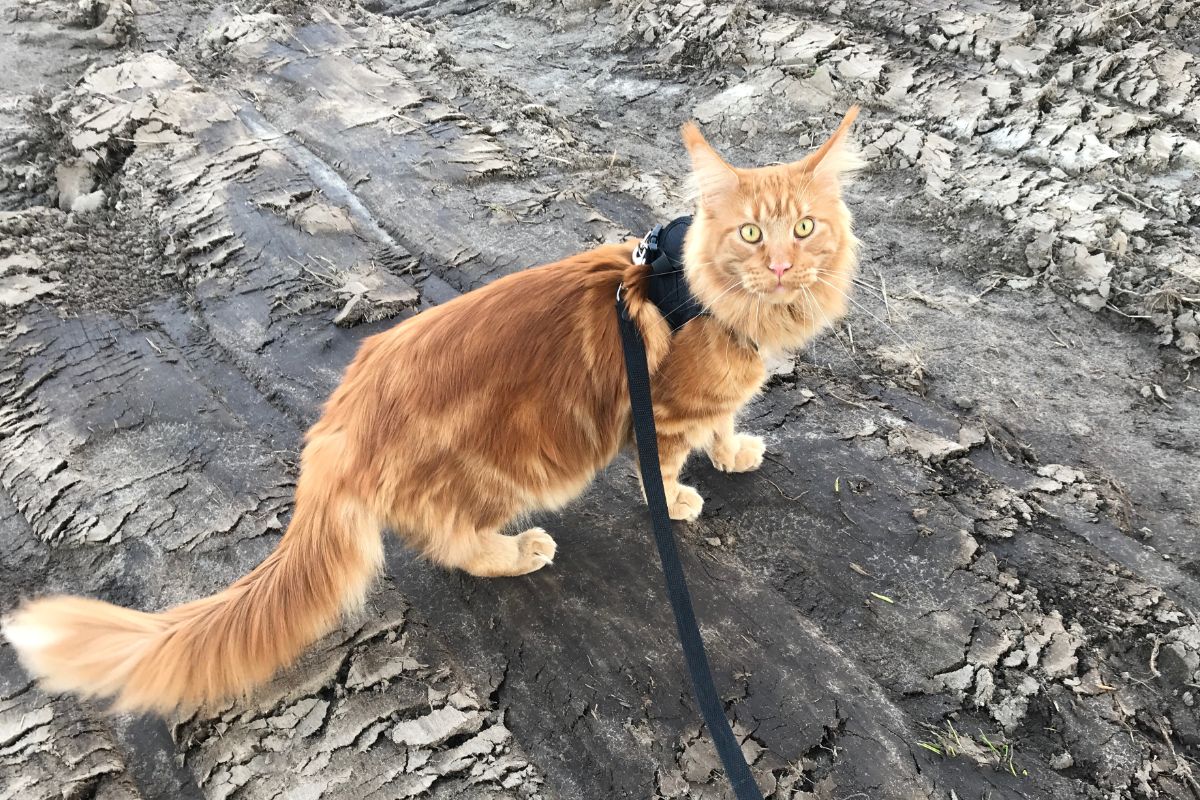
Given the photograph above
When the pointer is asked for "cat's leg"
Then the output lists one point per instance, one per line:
(683, 502)
(731, 451)
(488, 554)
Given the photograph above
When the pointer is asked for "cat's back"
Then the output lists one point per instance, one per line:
(537, 326)
(531, 305)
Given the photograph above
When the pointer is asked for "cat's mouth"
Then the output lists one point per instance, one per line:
(779, 292)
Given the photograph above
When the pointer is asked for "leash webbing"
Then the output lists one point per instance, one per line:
(637, 372)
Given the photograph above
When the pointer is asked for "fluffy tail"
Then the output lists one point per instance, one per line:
(207, 651)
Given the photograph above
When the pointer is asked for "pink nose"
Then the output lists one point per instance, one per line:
(780, 267)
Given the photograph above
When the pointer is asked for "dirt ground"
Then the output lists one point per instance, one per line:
(970, 567)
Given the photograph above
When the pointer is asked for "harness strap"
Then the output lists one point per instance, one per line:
(666, 285)
(637, 372)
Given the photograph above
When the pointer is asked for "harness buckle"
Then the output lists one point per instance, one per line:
(641, 255)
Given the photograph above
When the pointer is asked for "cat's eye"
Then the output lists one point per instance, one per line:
(750, 233)
(804, 227)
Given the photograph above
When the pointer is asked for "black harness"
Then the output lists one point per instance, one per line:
(662, 249)
(667, 288)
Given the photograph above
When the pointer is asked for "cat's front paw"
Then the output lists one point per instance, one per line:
(742, 453)
(686, 504)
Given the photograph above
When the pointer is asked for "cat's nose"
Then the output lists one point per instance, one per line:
(780, 267)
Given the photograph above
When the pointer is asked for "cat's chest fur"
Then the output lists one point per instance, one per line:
(708, 371)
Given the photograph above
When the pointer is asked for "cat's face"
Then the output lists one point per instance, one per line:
(773, 236)
(777, 234)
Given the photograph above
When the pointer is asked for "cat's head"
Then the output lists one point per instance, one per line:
(772, 244)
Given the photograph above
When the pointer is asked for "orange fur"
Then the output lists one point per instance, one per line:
(461, 420)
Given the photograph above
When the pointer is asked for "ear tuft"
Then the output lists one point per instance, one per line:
(692, 137)
(836, 156)
(714, 179)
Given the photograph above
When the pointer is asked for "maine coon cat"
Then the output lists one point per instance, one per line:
(464, 418)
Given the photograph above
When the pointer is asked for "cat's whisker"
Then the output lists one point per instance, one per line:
(736, 283)
(757, 317)
(872, 315)
(859, 282)
(728, 358)
(816, 306)
(912, 350)
(676, 308)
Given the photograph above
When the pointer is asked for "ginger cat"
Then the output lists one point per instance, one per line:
(503, 401)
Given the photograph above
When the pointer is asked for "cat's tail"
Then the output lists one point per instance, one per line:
(203, 652)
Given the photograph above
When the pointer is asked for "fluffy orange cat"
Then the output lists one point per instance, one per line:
(459, 421)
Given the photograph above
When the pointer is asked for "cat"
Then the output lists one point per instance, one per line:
(459, 421)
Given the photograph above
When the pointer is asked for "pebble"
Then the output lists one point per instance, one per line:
(1063, 760)
(92, 201)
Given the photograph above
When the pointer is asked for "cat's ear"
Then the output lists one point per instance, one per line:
(714, 179)
(836, 157)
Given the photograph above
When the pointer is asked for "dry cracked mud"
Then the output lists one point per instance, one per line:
(970, 565)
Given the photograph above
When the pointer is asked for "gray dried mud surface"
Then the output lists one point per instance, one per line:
(970, 566)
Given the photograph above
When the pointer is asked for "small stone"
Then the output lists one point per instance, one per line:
(1048, 485)
(92, 201)
(959, 680)
(1062, 474)
(1059, 659)
(1178, 664)
(1188, 635)
(1010, 711)
(323, 218)
(985, 687)
(1016, 658)
(925, 444)
(970, 435)
(1063, 760)
(778, 365)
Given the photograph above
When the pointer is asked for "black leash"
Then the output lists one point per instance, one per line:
(638, 373)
